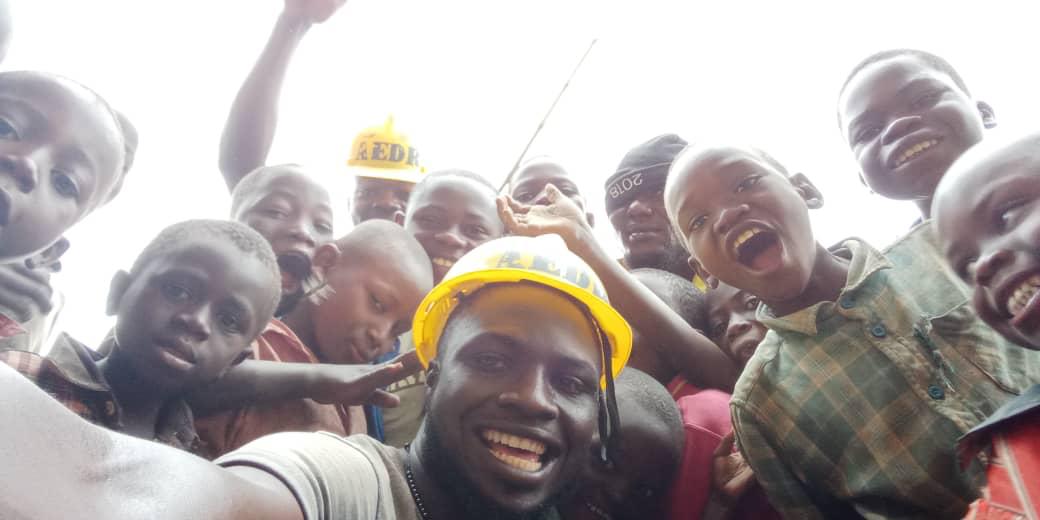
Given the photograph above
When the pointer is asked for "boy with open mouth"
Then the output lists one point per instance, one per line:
(874, 364)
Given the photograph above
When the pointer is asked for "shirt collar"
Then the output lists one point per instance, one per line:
(864, 261)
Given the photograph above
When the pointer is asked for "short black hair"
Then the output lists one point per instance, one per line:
(690, 303)
(928, 58)
(451, 172)
(245, 238)
(256, 177)
(647, 393)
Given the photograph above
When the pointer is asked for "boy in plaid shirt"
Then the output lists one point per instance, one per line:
(874, 364)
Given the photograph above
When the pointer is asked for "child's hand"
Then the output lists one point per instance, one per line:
(731, 474)
(561, 216)
(314, 11)
(24, 293)
(354, 385)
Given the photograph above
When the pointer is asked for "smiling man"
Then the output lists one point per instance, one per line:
(521, 347)
(635, 206)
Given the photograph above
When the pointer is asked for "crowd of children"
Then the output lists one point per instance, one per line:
(465, 353)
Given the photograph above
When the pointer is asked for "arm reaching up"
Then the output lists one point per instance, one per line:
(251, 125)
(696, 357)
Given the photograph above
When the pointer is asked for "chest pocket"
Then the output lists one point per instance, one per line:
(1011, 367)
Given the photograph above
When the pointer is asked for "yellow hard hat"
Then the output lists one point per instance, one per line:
(380, 152)
(543, 260)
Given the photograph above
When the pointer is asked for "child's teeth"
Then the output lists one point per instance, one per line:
(914, 150)
(1022, 294)
(744, 237)
(443, 262)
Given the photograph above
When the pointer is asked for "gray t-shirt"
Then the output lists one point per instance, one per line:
(333, 477)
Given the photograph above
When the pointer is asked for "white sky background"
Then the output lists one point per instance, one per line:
(469, 80)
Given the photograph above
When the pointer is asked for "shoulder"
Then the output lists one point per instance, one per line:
(331, 476)
(760, 368)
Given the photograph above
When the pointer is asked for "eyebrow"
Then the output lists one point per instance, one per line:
(995, 189)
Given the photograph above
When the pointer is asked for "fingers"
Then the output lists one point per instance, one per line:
(725, 445)
(409, 361)
(24, 292)
(383, 399)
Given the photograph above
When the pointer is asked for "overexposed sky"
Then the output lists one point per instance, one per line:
(469, 80)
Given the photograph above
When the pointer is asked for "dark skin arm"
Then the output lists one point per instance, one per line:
(695, 356)
(250, 127)
(91, 472)
(254, 381)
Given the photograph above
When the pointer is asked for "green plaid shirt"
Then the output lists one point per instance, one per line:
(853, 408)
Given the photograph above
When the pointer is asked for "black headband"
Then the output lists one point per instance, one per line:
(625, 186)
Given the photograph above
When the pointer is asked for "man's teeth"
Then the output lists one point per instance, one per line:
(443, 262)
(744, 236)
(1022, 294)
(536, 448)
(909, 153)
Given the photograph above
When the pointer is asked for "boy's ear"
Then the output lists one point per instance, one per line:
(989, 117)
(326, 257)
(116, 290)
(702, 273)
(812, 196)
(399, 218)
(49, 258)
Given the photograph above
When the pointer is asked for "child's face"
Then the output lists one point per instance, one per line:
(295, 216)
(372, 302)
(906, 122)
(988, 221)
(60, 155)
(450, 217)
(744, 223)
(529, 184)
(189, 314)
(636, 487)
(732, 324)
(379, 198)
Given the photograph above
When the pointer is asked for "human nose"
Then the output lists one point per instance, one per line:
(23, 169)
(728, 217)
(900, 127)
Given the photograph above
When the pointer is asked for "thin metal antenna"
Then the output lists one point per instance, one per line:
(541, 124)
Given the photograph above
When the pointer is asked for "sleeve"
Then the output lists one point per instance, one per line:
(787, 493)
(331, 477)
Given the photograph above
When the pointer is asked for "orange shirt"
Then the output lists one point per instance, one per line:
(230, 429)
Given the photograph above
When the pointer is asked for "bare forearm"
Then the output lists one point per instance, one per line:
(56, 465)
(254, 381)
(251, 125)
(695, 356)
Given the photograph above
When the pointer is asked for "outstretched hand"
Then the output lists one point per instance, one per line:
(561, 216)
(731, 474)
(314, 11)
(354, 385)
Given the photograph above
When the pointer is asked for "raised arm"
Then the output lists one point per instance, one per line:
(695, 356)
(56, 465)
(251, 125)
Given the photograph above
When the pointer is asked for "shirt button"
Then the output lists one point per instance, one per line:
(936, 392)
(878, 331)
(847, 302)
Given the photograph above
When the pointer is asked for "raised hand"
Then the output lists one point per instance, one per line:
(314, 11)
(560, 216)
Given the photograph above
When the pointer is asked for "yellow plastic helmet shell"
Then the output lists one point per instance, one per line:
(543, 260)
(381, 152)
